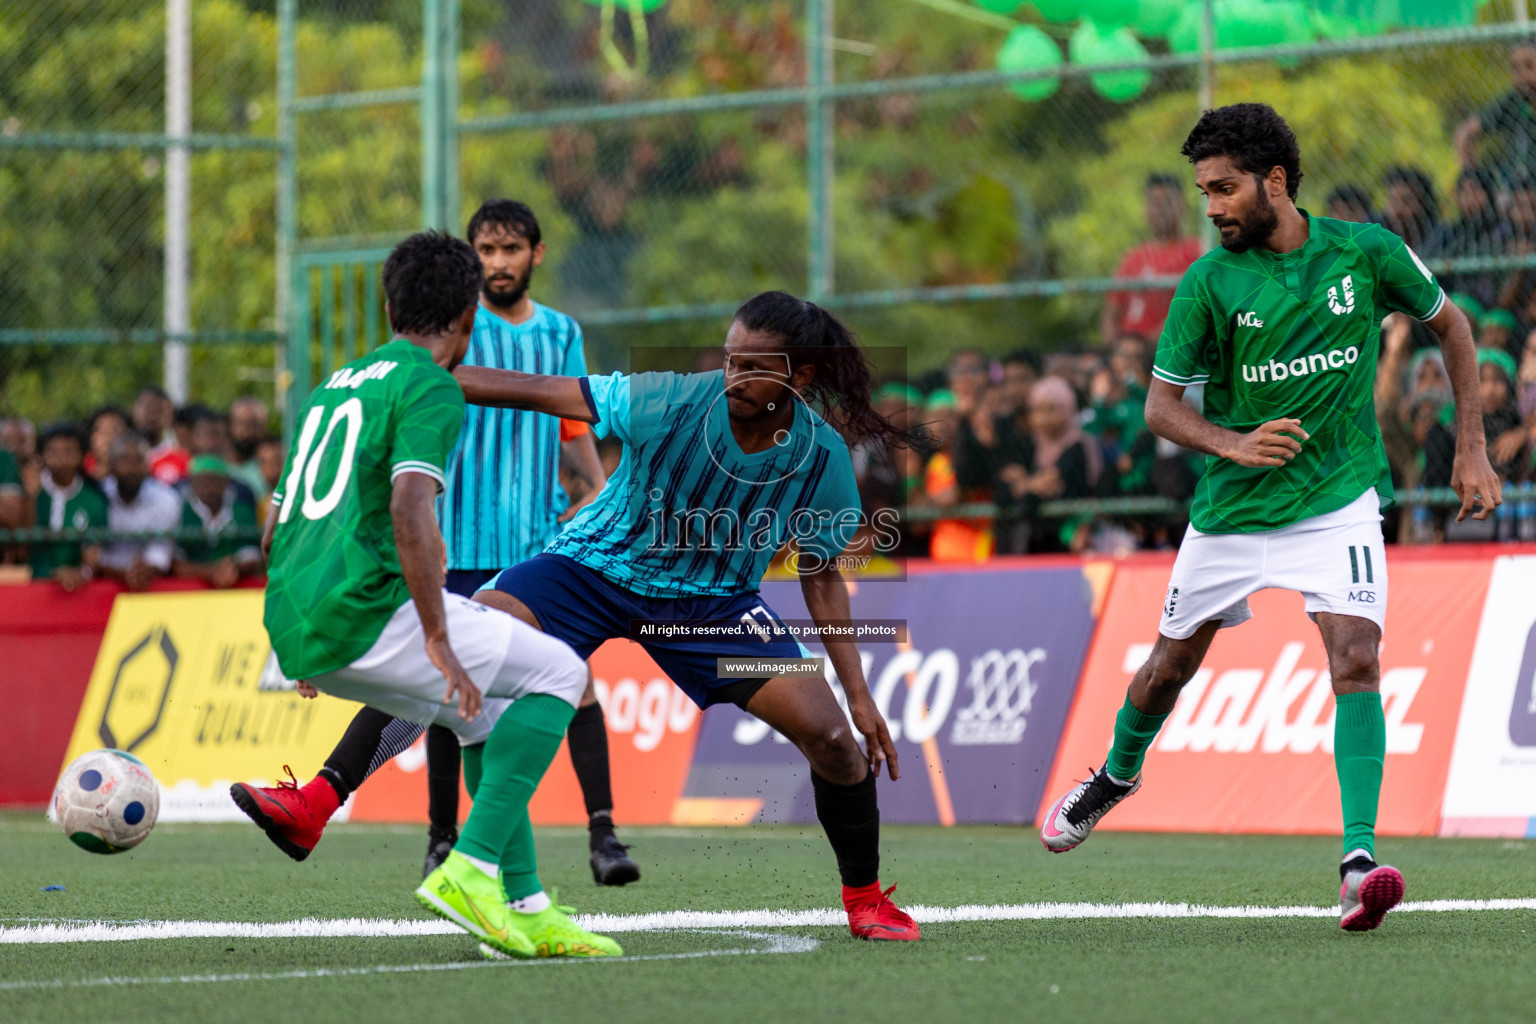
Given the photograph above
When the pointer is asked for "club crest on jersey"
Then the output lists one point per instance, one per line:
(1347, 304)
(1249, 319)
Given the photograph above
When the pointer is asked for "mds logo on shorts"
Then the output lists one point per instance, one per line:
(1360, 558)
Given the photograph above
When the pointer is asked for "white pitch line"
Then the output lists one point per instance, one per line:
(772, 943)
(675, 920)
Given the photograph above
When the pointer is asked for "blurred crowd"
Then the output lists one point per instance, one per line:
(202, 474)
(1023, 430)
(1017, 434)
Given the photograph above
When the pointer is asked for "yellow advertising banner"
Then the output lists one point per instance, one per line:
(186, 683)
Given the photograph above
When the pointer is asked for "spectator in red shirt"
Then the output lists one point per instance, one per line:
(1170, 253)
(152, 414)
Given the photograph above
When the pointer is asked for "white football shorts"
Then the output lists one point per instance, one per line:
(1337, 561)
(503, 656)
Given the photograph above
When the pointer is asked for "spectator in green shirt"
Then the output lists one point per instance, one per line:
(11, 496)
(214, 506)
(66, 500)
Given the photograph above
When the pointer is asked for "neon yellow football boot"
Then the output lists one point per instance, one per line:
(460, 892)
(551, 932)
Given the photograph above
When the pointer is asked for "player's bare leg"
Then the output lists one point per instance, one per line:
(805, 712)
(587, 741)
(1148, 702)
(1367, 891)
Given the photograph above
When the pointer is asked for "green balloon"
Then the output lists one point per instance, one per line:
(646, 6)
(1246, 23)
(1241, 23)
(1109, 13)
(1156, 18)
(997, 6)
(1329, 26)
(1093, 45)
(1059, 10)
(1291, 18)
(1029, 49)
(1184, 36)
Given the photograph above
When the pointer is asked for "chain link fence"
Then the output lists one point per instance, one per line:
(86, 174)
(959, 206)
(947, 174)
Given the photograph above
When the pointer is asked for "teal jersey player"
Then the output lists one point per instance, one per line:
(1281, 325)
(1294, 334)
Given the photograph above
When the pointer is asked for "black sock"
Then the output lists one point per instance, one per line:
(587, 736)
(372, 738)
(850, 816)
(443, 779)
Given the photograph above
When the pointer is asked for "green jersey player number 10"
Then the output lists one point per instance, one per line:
(307, 458)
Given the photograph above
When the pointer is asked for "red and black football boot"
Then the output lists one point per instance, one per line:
(872, 915)
(292, 816)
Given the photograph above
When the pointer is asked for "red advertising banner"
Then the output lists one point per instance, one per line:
(49, 639)
(1249, 747)
(652, 726)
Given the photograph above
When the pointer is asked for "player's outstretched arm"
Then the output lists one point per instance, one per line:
(826, 597)
(508, 389)
(1272, 444)
(1472, 477)
(413, 513)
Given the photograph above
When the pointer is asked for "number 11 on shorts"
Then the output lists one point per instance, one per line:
(1354, 564)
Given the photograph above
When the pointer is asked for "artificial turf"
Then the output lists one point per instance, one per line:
(1473, 965)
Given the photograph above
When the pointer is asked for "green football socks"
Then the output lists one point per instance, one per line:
(474, 764)
(1359, 748)
(511, 763)
(1134, 733)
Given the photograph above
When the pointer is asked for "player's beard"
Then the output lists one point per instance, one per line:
(505, 296)
(1254, 231)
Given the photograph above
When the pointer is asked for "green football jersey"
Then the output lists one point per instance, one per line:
(1293, 335)
(80, 507)
(335, 573)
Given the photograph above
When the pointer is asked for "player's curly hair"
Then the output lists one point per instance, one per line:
(843, 383)
(1253, 135)
(430, 279)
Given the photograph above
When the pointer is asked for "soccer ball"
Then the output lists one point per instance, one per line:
(106, 801)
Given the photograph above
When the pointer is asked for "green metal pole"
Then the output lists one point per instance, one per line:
(819, 124)
(431, 114)
(293, 358)
(450, 136)
(1209, 237)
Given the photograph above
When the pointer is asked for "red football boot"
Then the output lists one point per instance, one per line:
(872, 915)
(292, 816)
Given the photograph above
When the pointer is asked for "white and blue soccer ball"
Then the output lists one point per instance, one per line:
(106, 801)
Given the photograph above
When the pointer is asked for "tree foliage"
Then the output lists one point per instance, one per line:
(973, 187)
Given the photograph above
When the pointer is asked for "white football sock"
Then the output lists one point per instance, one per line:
(484, 865)
(1358, 852)
(531, 904)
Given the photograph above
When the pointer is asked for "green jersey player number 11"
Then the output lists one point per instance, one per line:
(1280, 325)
